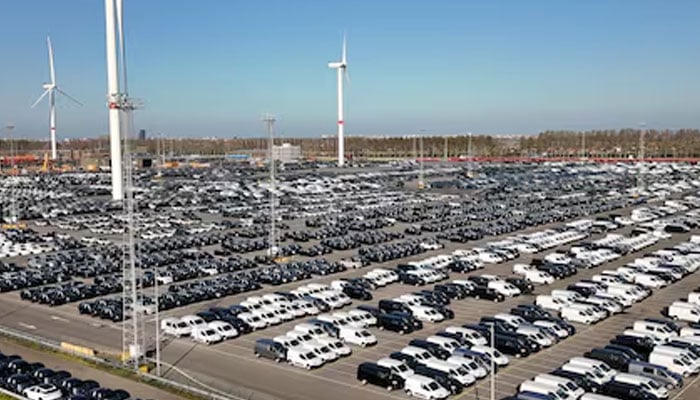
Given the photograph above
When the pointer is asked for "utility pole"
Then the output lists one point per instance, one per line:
(470, 157)
(421, 175)
(269, 120)
(583, 145)
(493, 366)
(445, 155)
(640, 161)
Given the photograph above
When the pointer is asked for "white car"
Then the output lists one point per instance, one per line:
(358, 336)
(226, 330)
(206, 335)
(42, 392)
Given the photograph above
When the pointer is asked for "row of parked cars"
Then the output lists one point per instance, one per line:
(445, 363)
(644, 362)
(33, 381)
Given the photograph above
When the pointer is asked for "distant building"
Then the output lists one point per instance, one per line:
(286, 153)
(142, 134)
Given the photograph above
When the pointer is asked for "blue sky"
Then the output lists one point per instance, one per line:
(211, 67)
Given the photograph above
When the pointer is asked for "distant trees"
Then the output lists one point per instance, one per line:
(596, 143)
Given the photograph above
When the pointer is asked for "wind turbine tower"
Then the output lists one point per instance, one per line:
(50, 89)
(342, 68)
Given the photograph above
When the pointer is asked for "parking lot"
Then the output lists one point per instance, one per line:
(231, 365)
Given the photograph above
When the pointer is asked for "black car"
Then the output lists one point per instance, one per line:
(434, 349)
(525, 286)
(368, 372)
(627, 350)
(614, 358)
(417, 324)
(581, 380)
(357, 292)
(375, 311)
(442, 378)
(405, 358)
(510, 345)
(482, 292)
(450, 290)
(625, 391)
(641, 345)
(394, 306)
(395, 323)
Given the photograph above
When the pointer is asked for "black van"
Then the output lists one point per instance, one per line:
(641, 345)
(614, 358)
(368, 372)
(395, 323)
(482, 292)
(625, 391)
(391, 306)
(268, 348)
(434, 349)
(357, 292)
(415, 322)
(581, 380)
(511, 345)
(442, 378)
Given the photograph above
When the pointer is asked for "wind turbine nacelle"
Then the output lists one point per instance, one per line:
(47, 86)
(336, 65)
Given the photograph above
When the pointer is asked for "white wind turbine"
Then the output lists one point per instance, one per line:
(50, 89)
(342, 67)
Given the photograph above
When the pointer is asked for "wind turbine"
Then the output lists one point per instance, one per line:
(50, 89)
(342, 68)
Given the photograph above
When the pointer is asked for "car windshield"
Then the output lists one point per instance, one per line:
(365, 334)
(654, 384)
(433, 386)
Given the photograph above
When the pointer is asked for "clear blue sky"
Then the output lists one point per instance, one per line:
(211, 67)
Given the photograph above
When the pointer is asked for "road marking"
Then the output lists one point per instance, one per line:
(57, 318)
(28, 326)
(687, 386)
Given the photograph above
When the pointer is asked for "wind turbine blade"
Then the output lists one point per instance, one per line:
(51, 69)
(343, 58)
(41, 97)
(69, 97)
(122, 45)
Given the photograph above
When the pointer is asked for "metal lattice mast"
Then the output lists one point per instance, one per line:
(269, 120)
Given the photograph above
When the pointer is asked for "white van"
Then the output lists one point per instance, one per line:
(357, 336)
(369, 319)
(643, 382)
(206, 335)
(419, 354)
(226, 330)
(535, 334)
(396, 366)
(194, 321)
(649, 281)
(604, 368)
(679, 365)
(542, 388)
(538, 277)
(446, 343)
(471, 366)
(505, 288)
(565, 384)
(684, 311)
(424, 313)
(472, 336)
(310, 329)
(511, 320)
(336, 346)
(579, 315)
(569, 295)
(550, 303)
(498, 358)
(424, 387)
(456, 371)
(253, 320)
(661, 331)
(596, 376)
(175, 327)
(321, 350)
(303, 357)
